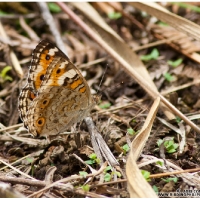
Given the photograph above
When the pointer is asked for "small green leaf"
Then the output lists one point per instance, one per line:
(175, 63)
(126, 148)
(90, 162)
(146, 174)
(172, 150)
(146, 57)
(178, 119)
(5, 70)
(152, 56)
(86, 187)
(107, 177)
(108, 168)
(131, 131)
(170, 146)
(175, 179)
(105, 105)
(114, 15)
(168, 76)
(93, 156)
(8, 78)
(83, 174)
(118, 174)
(30, 160)
(159, 163)
(53, 7)
(159, 142)
(162, 24)
(3, 74)
(97, 160)
(168, 143)
(155, 188)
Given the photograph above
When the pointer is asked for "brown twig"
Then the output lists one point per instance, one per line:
(89, 194)
(47, 16)
(71, 178)
(99, 145)
(17, 170)
(130, 17)
(173, 173)
(27, 28)
(23, 181)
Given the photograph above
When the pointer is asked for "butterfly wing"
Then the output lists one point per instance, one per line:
(62, 95)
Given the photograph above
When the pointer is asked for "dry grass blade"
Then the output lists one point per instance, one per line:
(6, 191)
(122, 53)
(114, 41)
(174, 20)
(52, 26)
(16, 170)
(137, 185)
(13, 57)
(142, 137)
(116, 47)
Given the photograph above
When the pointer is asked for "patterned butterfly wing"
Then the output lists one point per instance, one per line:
(62, 95)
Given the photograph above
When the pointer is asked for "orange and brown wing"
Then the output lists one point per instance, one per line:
(56, 95)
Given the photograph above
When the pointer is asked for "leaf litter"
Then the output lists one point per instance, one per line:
(58, 164)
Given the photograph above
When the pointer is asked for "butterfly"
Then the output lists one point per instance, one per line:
(56, 94)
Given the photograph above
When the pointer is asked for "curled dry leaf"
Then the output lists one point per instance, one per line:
(137, 185)
(181, 42)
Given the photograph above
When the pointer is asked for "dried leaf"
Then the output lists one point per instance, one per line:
(137, 185)
(179, 23)
(120, 51)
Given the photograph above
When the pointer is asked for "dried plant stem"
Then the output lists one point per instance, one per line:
(173, 173)
(22, 181)
(47, 16)
(131, 71)
(13, 57)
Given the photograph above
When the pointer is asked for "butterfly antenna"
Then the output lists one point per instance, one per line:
(102, 78)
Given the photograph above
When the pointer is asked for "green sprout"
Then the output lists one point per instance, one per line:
(105, 105)
(114, 15)
(131, 131)
(53, 7)
(175, 63)
(83, 174)
(168, 77)
(146, 174)
(126, 148)
(3, 74)
(170, 146)
(175, 179)
(93, 159)
(152, 56)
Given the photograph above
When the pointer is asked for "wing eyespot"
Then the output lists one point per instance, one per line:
(58, 71)
(40, 121)
(47, 57)
(42, 77)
